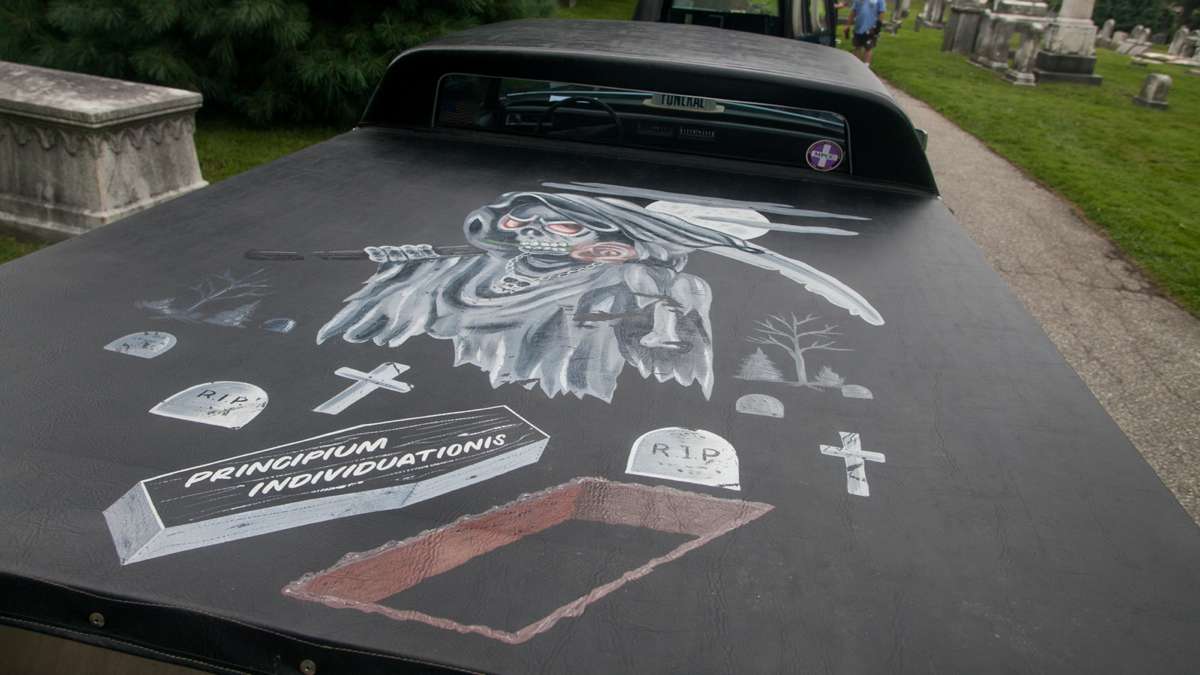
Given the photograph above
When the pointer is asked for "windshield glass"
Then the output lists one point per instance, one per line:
(634, 118)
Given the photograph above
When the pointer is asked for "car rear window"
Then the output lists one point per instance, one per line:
(802, 137)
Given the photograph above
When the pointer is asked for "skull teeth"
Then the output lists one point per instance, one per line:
(541, 247)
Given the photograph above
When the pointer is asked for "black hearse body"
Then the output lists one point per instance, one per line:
(596, 347)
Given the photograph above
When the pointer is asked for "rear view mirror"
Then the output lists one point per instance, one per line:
(922, 138)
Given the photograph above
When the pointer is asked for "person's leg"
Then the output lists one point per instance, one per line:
(868, 45)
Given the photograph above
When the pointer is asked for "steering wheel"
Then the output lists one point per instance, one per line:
(548, 114)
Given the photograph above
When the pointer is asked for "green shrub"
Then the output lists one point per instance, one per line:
(264, 60)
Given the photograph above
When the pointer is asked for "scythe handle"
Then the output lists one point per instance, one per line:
(451, 251)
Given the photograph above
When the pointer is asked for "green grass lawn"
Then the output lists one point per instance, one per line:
(1134, 172)
(227, 148)
(17, 246)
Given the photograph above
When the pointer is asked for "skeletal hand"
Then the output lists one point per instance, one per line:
(399, 254)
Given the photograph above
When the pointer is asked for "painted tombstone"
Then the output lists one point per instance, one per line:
(759, 404)
(279, 325)
(144, 345)
(223, 404)
(856, 391)
(569, 289)
(687, 455)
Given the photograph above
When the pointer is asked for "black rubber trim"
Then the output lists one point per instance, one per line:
(184, 637)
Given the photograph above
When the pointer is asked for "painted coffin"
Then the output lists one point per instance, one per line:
(544, 405)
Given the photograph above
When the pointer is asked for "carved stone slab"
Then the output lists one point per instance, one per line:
(78, 151)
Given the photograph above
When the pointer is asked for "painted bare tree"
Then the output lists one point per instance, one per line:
(223, 289)
(225, 286)
(791, 334)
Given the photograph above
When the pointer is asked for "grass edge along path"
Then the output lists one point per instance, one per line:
(1132, 171)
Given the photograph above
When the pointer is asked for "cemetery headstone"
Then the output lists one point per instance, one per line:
(1021, 7)
(1068, 52)
(1021, 72)
(1154, 91)
(991, 46)
(932, 15)
(1191, 48)
(962, 27)
(1105, 37)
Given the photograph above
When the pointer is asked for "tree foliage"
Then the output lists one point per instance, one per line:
(265, 60)
(1153, 14)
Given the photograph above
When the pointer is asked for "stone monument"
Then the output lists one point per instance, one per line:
(78, 152)
(1068, 52)
(931, 16)
(1154, 91)
(991, 45)
(1137, 43)
(993, 37)
(1105, 37)
(1179, 42)
(1021, 72)
(962, 26)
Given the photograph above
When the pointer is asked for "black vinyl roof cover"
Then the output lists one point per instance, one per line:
(605, 461)
(671, 58)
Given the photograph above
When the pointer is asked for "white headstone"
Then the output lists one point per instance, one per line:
(145, 345)
(222, 404)
(687, 455)
(759, 404)
(856, 391)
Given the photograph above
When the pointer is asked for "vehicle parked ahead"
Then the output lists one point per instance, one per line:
(595, 347)
(807, 20)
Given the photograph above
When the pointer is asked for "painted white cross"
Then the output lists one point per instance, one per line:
(856, 458)
(383, 377)
(826, 155)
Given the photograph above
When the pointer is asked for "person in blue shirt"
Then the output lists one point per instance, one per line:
(866, 17)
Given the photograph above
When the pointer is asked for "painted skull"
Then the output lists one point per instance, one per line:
(530, 224)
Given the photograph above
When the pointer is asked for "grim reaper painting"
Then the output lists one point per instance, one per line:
(565, 291)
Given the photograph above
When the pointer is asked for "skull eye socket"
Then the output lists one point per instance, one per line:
(565, 227)
(509, 222)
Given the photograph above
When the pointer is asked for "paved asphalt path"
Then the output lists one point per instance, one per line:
(1137, 351)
